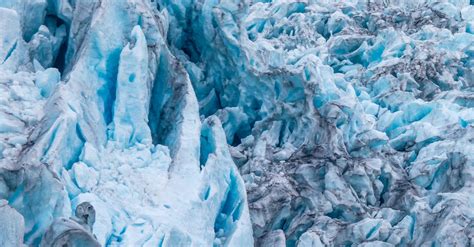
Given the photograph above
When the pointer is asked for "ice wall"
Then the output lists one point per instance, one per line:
(106, 116)
(236, 123)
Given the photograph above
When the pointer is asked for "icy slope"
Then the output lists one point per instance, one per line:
(150, 123)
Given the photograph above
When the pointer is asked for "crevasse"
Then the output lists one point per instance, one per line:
(236, 123)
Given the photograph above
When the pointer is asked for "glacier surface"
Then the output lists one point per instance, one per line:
(236, 123)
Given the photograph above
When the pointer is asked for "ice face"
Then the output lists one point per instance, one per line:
(13, 225)
(236, 123)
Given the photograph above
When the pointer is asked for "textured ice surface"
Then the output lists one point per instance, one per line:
(236, 123)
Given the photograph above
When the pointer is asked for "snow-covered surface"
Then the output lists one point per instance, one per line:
(236, 123)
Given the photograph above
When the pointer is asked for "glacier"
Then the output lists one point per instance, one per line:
(236, 123)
